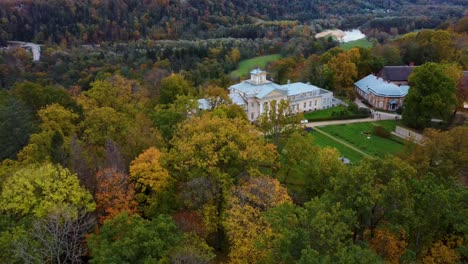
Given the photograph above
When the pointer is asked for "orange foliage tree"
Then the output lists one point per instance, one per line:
(115, 194)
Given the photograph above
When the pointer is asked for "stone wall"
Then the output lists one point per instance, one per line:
(408, 134)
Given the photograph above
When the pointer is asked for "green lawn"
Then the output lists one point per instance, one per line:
(246, 66)
(363, 43)
(323, 113)
(324, 141)
(360, 136)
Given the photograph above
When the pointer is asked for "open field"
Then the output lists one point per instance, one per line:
(246, 66)
(323, 113)
(360, 136)
(363, 43)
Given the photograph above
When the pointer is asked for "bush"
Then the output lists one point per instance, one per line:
(352, 107)
(363, 110)
(381, 132)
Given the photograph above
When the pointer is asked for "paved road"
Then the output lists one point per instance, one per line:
(383, 116)
(35, 48)
(339, 122)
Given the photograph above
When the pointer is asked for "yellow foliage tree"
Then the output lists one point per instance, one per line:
(443, 251)
(388, 245)
(243, 220)
(147, 173)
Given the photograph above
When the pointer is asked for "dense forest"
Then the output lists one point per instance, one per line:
(91, 22)
(106, 158)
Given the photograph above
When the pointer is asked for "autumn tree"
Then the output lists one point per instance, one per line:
(281, 69)
(45, 215)
(172, 86)
(32, 190)
(208, 156)
(277, 122)
(344, 73)
(444, 250)
(235, 55)
(231, 111)
(114, 194)
(152, 180)
(388, 245)
(216, 96)
(115, 110)
(443, 153)
(432, 95)
(246, 204)
(58, 125)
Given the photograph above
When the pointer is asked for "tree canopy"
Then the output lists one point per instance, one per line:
(432, 96)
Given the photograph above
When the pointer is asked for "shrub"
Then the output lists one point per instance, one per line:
(338, 117)
(381, 132)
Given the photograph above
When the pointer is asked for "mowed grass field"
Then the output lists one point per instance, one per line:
(363, 43)
(324, 141)
(360, 136)
(246, 66)
(324, 113)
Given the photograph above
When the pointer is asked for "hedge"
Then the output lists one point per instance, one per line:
(344, 117)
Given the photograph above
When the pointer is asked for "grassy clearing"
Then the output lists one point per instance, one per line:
(363, 43)
(323, 113)
(360, 136)
(246, 66)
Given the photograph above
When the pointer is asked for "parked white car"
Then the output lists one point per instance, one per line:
(304, 121)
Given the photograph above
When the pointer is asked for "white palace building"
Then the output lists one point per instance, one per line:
(255, 94)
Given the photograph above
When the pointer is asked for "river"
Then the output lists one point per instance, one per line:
(352, 35)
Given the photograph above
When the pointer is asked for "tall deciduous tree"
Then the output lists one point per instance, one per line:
(172, 86)
(443, 153)
(216, 96)
(344, 72)
(246, 204)
(132, 239)
(208, 156)
(277, 123)
(432, 95)
(152, 180)
(58, 238)
(38, 190)
(114, 195)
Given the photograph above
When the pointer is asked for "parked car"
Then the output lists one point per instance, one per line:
(304, 121)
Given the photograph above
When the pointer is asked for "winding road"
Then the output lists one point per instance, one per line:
(35, 48)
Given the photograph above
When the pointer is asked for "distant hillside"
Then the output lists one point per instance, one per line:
(93, 21)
